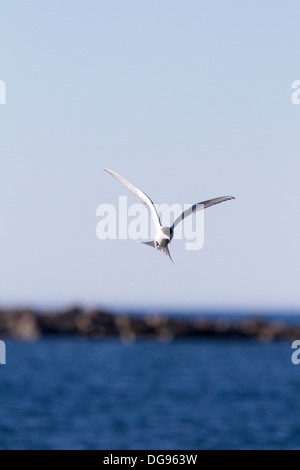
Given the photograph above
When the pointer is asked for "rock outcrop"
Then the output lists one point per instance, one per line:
(30, 325)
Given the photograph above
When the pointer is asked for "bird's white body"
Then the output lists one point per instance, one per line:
(162, 239)
(164, 235)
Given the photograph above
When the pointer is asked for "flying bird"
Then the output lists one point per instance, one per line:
(164, 235)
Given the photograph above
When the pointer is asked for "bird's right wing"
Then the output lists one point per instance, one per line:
(140, 195)
(199, 206)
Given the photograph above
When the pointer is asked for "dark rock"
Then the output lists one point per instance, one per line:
(21, 324)
(59, 323)
(26, 324)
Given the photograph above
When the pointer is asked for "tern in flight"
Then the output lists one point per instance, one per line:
(164, 235)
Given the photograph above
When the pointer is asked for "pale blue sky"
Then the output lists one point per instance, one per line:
(189, 100)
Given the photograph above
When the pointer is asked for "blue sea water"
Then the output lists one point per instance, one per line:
(188, 394)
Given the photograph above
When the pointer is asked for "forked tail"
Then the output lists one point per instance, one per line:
(164, 249)
(151, 243)
(167, 252)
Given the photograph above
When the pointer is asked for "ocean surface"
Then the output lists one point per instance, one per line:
(187, 394)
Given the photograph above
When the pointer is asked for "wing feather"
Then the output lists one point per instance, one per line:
(200, 206)
(140, 195)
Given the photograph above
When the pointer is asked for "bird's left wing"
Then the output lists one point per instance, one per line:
(199, 206)
(140, 195)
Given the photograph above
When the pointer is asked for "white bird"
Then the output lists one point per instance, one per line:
(164, 235)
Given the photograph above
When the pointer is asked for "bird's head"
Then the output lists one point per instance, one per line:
(168, 233)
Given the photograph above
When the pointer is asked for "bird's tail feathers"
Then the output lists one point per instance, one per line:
(166, 251)
(151, 243)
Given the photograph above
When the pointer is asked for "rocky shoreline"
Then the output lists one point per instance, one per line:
(31, 325)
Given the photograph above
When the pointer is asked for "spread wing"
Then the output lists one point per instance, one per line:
(200, 206)
(140, 195)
